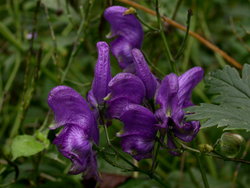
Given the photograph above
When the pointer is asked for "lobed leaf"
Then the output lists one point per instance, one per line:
(232, 108)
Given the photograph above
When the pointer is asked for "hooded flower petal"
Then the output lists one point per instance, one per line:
(144, 73)
(74, 145)
(187, 82)
(102, 74)
(128, 32)
(129, 86)
(139, 131)
(71, 109)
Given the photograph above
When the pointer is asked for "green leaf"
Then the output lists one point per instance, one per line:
(25, 145)
(232, 103)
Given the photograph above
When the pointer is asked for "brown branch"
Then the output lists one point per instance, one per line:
(204, 41)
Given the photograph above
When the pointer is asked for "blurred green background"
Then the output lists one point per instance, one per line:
(46, 43)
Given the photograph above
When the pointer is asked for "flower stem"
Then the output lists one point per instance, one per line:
(163, 37)
(183, 45)
(202, 170)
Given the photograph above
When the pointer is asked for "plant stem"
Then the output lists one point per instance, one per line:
(163, 37)
(210, 161)
(183, 45)
(202, 170)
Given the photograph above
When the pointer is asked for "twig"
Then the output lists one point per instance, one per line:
(204, 41)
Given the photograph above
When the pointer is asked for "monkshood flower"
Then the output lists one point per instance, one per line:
(128, 32)
(79, 131)
(173, 95)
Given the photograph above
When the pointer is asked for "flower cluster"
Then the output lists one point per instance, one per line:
(142, 102)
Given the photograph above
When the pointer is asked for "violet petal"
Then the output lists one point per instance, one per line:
(166, 94)
(144, 73)
(137, 118)
(102, 73)
(71, 109)
(187, 82)
(116, 106)
(73, 144)
(129, 86)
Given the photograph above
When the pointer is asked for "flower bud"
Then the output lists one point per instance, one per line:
(230, 144)
(206, 148)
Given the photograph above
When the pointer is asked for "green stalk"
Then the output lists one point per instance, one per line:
(202, 170)
(183, 45)
(163, 37)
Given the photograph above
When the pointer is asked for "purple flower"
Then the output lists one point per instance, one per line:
(79, 130)
(128, 32)
(102, 76)
(173, 95)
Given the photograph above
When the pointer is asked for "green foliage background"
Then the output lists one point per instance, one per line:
(66, 32)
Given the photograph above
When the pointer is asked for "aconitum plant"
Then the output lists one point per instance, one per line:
(146, 105)
(104, 96)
